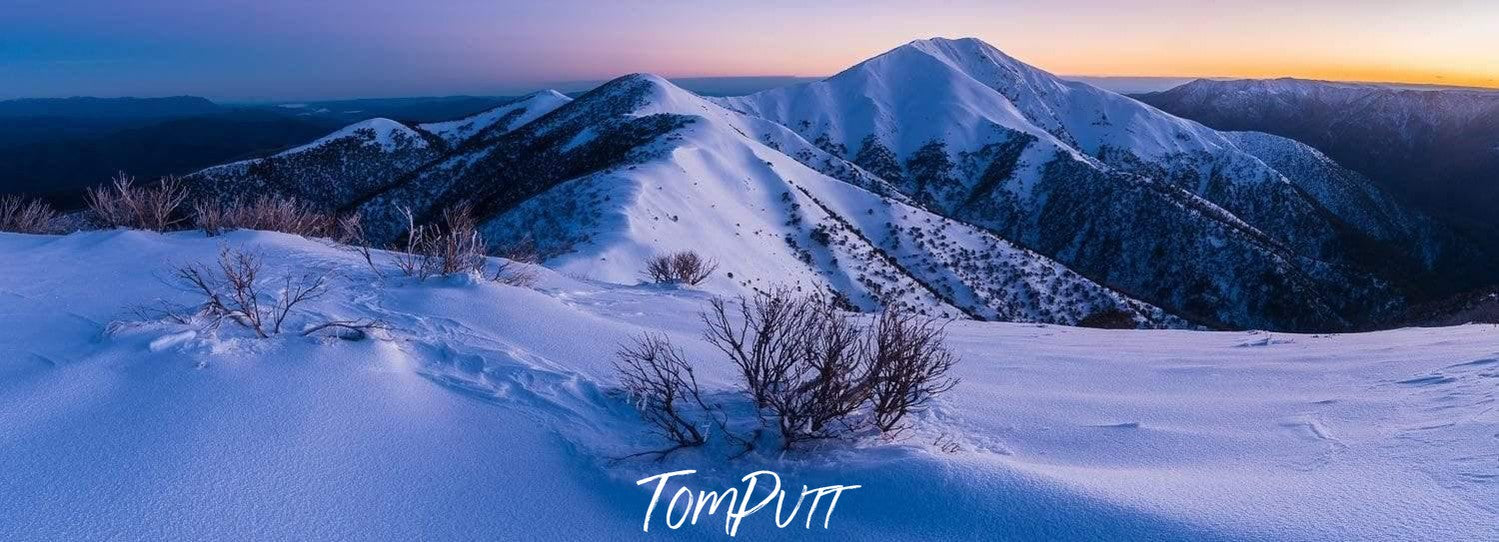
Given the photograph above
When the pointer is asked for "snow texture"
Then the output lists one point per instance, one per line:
(485, 414)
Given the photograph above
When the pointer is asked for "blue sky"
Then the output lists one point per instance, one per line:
(280, 49)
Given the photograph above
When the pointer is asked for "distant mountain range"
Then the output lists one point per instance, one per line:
(56, 147)
(942, 174)
(1436, 149)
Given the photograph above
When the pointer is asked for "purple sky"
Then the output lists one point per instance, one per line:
(282, 49)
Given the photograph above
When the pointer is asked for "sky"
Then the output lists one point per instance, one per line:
(299, 49)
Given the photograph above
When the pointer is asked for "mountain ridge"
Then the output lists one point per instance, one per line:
(1032, 174)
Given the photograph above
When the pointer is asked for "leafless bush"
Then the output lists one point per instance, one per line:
(685, 267)
(763, 340)
(658, 269)
(268, 212)
(351, 234)
(799, 358)
(514, 274)
(517, 271)
(811, 367)
(661, 384)
(123, 204)
(908, 367)
(829, 382)
(452, 246)
(947, 444)
(21, 215)
(232, 288)
(691, 268)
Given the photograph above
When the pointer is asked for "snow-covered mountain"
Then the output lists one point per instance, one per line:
(942, 174)
(640, 167)
(331, 171)
(1438, 149)
(360, 159)
(1115, 188)
(506, 117)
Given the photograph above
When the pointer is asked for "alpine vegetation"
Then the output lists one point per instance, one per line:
(812, 369)
(233, 289)
(685, 267)
(265, 212)
(123, 204)
(660, 383)
(450, 246)
(20, 215)
(999, 304)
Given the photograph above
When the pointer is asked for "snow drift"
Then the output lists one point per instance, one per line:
(486, 413)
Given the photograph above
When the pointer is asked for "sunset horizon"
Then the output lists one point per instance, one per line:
(946, 270)
(343, 49)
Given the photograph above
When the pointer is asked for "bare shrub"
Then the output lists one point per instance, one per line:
(122, 204)
(691, 268)
(452, 246)
(232, 288)
(516, 271)
(821, 375)
(513, 273)
(661, 384)
(353, 330)
(21, 215)
(685, 267)
(764, 338)
(908, 367)
(947, 444)
(268, 212)
(351, 234)
(799, 358)
(658, 269)
(818, 397)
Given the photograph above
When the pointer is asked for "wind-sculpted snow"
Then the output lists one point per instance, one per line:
(489, 412)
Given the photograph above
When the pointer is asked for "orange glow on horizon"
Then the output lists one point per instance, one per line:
(1443, 42)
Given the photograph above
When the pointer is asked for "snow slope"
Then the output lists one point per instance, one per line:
(331, 171)
(681, 173)
(484, 414)
(1054, 190)
(1434, 148)
(363, 158)
(979, 136)
(507, 117)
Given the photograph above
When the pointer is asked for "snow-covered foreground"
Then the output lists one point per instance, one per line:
(484, 415)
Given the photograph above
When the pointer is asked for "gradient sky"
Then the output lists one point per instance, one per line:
(305, 49)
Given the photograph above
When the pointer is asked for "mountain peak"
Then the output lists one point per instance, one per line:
(963, 52)
(547, 93)
(643, 94)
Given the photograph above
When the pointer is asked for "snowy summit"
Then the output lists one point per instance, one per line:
(940, 295)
